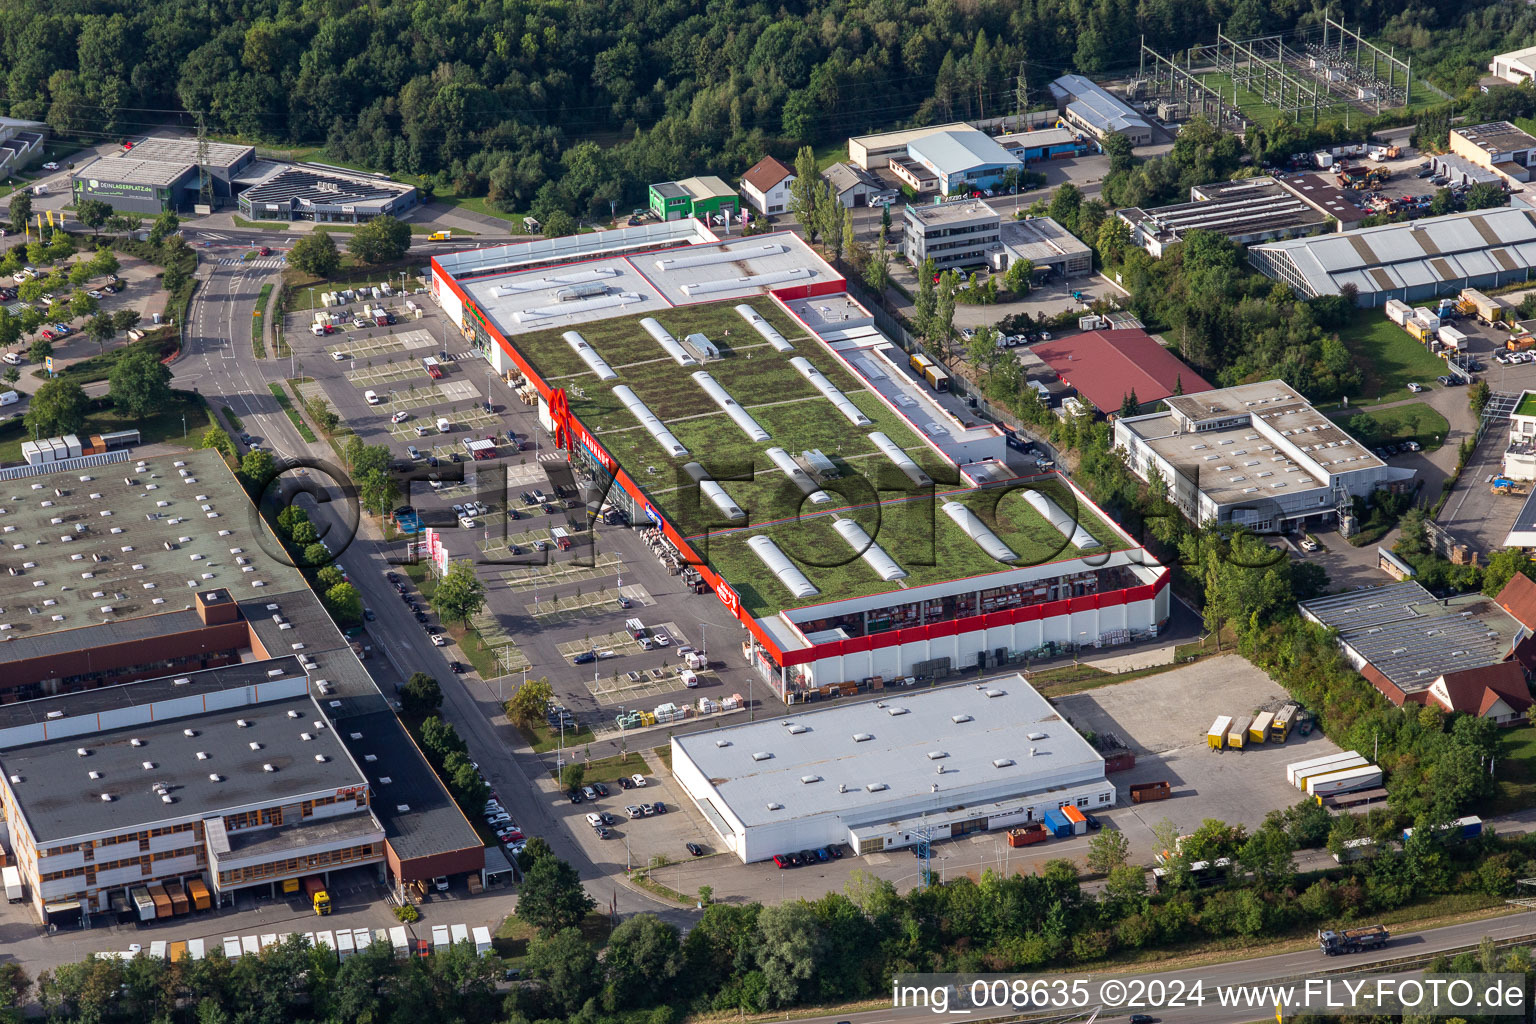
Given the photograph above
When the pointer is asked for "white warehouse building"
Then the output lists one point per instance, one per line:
(880, 774)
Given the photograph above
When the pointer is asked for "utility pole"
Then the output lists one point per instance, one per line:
(205, 188)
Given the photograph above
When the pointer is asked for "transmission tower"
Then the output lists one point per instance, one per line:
(205, 188)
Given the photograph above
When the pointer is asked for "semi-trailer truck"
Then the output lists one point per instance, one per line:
(314, 888)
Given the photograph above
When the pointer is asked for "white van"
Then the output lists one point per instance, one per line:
(9, 398)
(12, 358)
(443, 426)
(371, 397)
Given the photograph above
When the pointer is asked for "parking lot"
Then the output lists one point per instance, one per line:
(1162, 717)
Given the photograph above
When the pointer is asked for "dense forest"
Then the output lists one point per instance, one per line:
(575, 103)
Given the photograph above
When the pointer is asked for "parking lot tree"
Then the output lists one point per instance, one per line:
(421, 695)
(79, 273)
(345, 603)
(100, 330)
(552, 897)
(93, 213)
(1107, 850)
(377, 491)
(104, 264)
(641, 962)
(381, 240)
(459, 594)
(140, 384)
(1016, 277)
(567, 965)
(10, 328)
(164, 227)
(440, 739)
(258, 467)
(126, 319)
(11, 375)
(20, 209)
(573, 775)
(58, 407)
(1485, 195)
(529, 703)
(40, 350)
(315, 254)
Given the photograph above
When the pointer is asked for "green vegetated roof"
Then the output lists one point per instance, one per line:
(905, 520)
(1527, 406)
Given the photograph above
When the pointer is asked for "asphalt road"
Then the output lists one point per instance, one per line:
(224, 369)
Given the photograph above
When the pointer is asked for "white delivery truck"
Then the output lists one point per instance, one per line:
(13, 893)
(443, 426)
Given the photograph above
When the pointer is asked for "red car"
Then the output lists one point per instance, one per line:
(49, 335)
(264, 251)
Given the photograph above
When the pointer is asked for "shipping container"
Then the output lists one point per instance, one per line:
(1318, 771)
(13, 890)
(1057, 822)
(198, 892)
(1398, 311)
(362, 938)
(1028, 835)
(1258, 732)
(460, 933)
(345, 947)
(1146, 792)
(1216, 736)
(1294, 766)
(231, 948)
(398, 940)
(1450, 337)
(196, 949)
(178, 951)
(178, 895)
(1465, 828)
(1237, 735)
(325, 940)
(482, 936)
(1075, 816)
(1427, 318)
(250, 945)
(1486, 309)
(143, 902)
(162, 901)
(157, 950)
(1364, 777)
(440, 938)
(269, 940)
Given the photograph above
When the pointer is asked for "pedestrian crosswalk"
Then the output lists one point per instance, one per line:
(275, 263)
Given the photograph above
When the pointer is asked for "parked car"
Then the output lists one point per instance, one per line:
(602, 790)
(694, 849)
(634, 812)
(575, 796)
(626, 784)
(638, 780)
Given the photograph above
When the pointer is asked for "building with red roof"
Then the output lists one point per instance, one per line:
(1105, 366)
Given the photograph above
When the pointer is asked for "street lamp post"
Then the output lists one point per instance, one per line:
(183, 426)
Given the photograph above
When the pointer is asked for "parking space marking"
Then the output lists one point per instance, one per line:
(369, 347)
(557, 574)
(385, 373)
(559, 609)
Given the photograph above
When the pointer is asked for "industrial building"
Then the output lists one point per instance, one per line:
(1520, 454)
(887, 774)
(1408, 261)
(1095, 110)
(1455, 653)
(1046, 244)
(704, 197)
(958, 234)
(321, 194)
(131, 575)
(1257, 454)
(766, 186)
(155, 175)
(872, 152)
(824, 407)
(21, 142)
(1106, 366)
(1516, 67)
(853, 186)
(963, 161)
(1499, 147)
(1324, 195)
(1056, 143)
(1245, 211)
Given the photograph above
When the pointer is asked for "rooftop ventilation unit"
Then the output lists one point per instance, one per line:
(81, 752)
(936, 755)
(960, 719)
(166, 798)
(773, 806)
(403, 808)
(596, 363)
(722, 743)
(903, 461)
(202, 755)
(795, 730)
(806, 780)
(769, 332)
(743, 419)
(641, 412)
(1036, 736)
(668, 343)
(979, 532)
(863, 737)
(820, 382)
(1003, 762)
(1064, 523)
(242, 723)
(255, 745)
(215, 777)
(893, 712)
(268, 767)
(875, 787)
(779, 564)
(135, 742)
(873, 554)
(320, 759)
(106, 798)
(292, 713)
(761, 755)
(93, 775)
(801, 478)
(148, 766)
(995, 692)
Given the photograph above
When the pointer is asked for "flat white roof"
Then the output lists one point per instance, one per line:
(993, 740)
(899, 139)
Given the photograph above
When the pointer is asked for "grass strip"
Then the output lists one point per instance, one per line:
(281, 395)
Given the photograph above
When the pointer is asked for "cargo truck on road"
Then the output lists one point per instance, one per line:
(1352, 940)
(314, 888)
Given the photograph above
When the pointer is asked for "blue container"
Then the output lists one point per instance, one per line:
(1057, 822)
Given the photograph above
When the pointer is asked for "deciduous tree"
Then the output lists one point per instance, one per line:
(140, 384)
(530, 702)
(421, 694)
(552, 898)
(315, 254)
(460, 594)
(58, 408)
(381, 240)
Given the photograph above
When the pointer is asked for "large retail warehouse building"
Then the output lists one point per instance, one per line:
(864, 530)
(881, 775)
